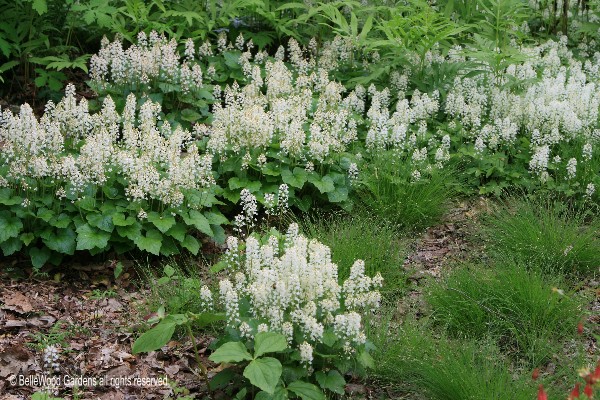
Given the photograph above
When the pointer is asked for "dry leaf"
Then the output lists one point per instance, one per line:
(16, 301)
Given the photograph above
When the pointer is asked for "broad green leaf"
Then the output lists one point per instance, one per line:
(119, 219)
(207, 318)
(162, 222)
(339, 195)
(329, 337)
(156, 337)
(8, 199)
(187, 114)
(101, 221)
(230, 352)
(178, 232)
(366, 360)
(324, 184)
(62, 241)
(333, 381)
(131, 232)
(264, 373)
(216, 218)
(39, 257)
(27, 238)
(191, 244)
(40, 6)
(151, 242)
(11, 246)
(89, 238)
(60, 221)
(169, 247)
(306, 391)
(237, 183)
(222, 379)
(269, 342)
(296, 178)
(10, 226)
(45, 214)
(280, 394)
(199, 221)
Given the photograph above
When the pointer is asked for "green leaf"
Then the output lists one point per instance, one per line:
(325, 184)
(62, 241)
(333, 381)
(366, 360)
(204, 319)
(89, 238)
(156, 337)
(45, 214)
(280, 394)
(11, 246)
(27, 238)
(178, 232)
(216, 218)
(339, 195)
(237, 183)
(296, 178)
(10, 226)
(150, 243)
(187, 114)
(329, 337)
(163, 223)
(101, 221)
(230, 352)
(222, 379)
(199, 221)
(40, 6)
(118, 269)
(131, 232)
(119, 219)
(269, 342)
(191, 244)
(8, 199)
(306, 391)
(61, 221)
(39, 257)
(264, 373)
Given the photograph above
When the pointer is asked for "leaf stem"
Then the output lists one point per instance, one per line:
(203, 370)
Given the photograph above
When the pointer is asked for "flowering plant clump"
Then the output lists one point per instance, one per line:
(266, 121)
(74, 180)
(291, 327)
(288, 288)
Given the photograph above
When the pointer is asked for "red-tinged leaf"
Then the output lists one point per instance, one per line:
(575, 392)
(151, 315)
(535, 374)
(542, 393)
(580, 328)
(589, 392)
(596, 374)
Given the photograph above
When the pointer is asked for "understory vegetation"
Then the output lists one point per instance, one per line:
(274, 169)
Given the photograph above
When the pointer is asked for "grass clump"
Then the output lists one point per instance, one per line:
(518, 308)
(441, 368)
(547, 235)
(391, 191)
(176, 288)
(361, 236)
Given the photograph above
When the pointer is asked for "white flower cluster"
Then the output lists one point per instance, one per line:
(277, 109)
(156, 161)
(296, 287)
(152, 59)
(560, 109)
(274, 107)
(50, 358)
